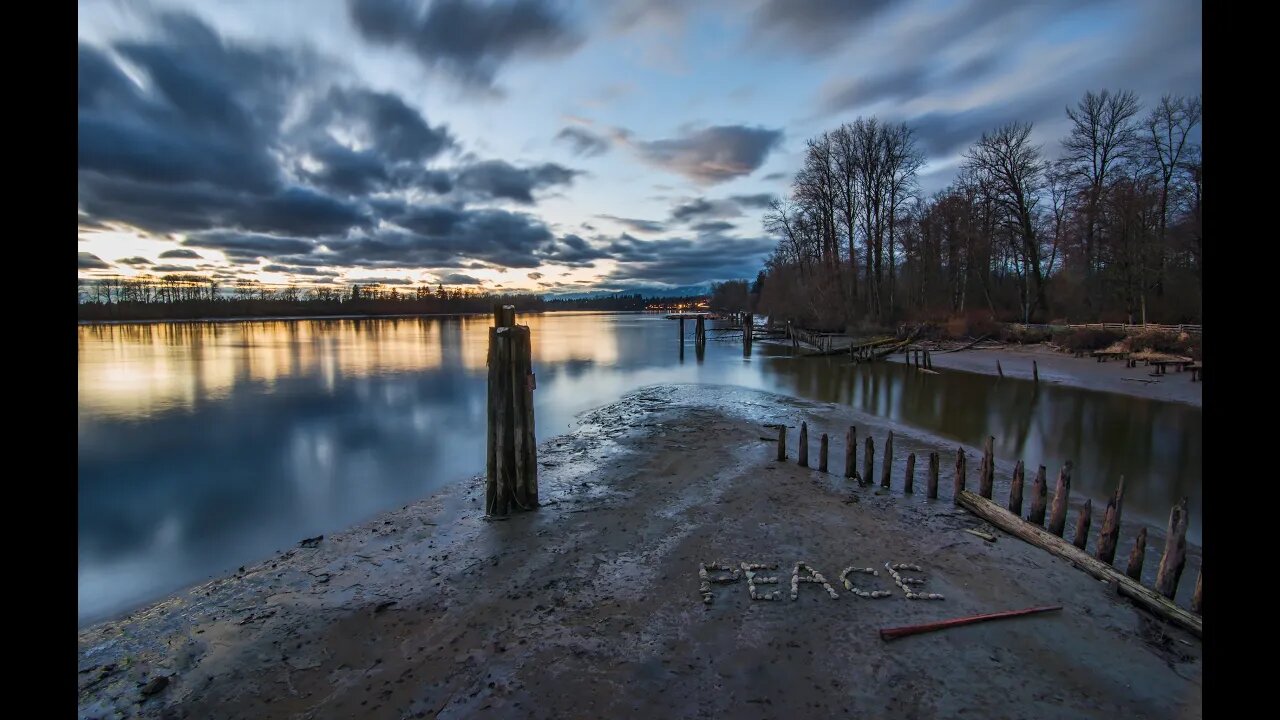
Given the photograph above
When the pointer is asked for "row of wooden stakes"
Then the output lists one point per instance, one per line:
(1171, 564)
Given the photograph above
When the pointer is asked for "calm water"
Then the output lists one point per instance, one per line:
(206, 446)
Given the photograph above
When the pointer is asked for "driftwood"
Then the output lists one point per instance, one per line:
(966, 347)
(1145, 597)
(893, 633)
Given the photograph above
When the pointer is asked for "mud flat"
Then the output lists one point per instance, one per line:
(1086, 372)
(590, 606)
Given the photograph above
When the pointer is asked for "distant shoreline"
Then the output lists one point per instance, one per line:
(276, 318)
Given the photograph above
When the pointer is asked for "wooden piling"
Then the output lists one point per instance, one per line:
(782, 443)
(1015, 489)
(1197, 601)
(887, 464)
(928, 359)
(1035, 371)
(681, 331)
(909, 481)
(1137, 555)
(999, 370)
(931, 490)
(868, 461)
(803, 452)
(1175, 551)
(959, 479)
(988, 478)
(1109, 536)
(1058, 516)
(822, 453)
(1082, 524)
(1039, 490)
(851, 452)
(511, 446)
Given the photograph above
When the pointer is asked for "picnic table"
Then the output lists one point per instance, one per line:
(1102, 355)
(1162, 364)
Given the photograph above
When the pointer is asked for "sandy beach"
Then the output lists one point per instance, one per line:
(1086, 372)
(590, 606)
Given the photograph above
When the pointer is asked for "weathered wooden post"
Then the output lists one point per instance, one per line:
(959, 479)
(1197, 601)
(1015, 489)
(909, 482)
(1058, 516)
(1035, 371)
(511, 467)
(931, 490)
(782, 442)
(987, 482)
(999, 369)
(1082, 524)
(1039, 489)
(822, 453)
(868, 461)
(887, 463)
(1137, 555)
(1175, 551)
(851, 452)
(681, 329)
(1109, 536)
(803, 452)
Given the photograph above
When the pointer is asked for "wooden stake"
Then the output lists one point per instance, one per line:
(1197, 601)
(959, 479)
(909, 482)
(1015, 489)
(887, 464)
(1137, 556)
(931, 490)
(1109, 536)
(822, 454)
(1082, 524)
(1035, 371)
(987, 481)
(1058, 516)
(999, 369)
(1039, 489)
(850, 452)
(1145, 597)
(1175, 551)
(868, 461)
(803, 452)
(894, 633)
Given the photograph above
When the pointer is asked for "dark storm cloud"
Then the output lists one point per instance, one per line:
(469, 40)
(867, 88)
(584, 142)
(717, 226)
(89, 261)
(684, 261)
(250, 246)
(137, 260)
(444, 237)
(702, 208)
(169, 269)
(459, 279)
(635, 224)
(712, 155)
(574, 251)
(299, 270)
(180, 253)
(395, 130)
(382, 281)
(499, 179)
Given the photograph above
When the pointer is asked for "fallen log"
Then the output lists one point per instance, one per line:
(905, 630)
(966, 347)
(1143, 596)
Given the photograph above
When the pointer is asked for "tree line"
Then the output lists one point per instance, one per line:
(186, 297)
(1109, 230)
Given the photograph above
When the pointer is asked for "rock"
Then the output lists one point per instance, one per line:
(156, 685)
(311, 542)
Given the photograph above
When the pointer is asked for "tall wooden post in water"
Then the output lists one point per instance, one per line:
(512, 462)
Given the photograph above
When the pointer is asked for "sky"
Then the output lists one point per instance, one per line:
(551, 146)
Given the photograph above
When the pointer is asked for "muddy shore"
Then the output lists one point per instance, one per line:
(1058, 367)
(590, 606)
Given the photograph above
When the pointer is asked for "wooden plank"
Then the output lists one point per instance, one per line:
(1145, 597)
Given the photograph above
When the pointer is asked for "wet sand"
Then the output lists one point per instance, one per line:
(1086, 372)
(590, 606)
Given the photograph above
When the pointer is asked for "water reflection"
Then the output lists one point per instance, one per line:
(205, 446)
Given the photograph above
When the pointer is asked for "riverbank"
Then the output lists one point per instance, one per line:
(591, 605)
(1058, 367)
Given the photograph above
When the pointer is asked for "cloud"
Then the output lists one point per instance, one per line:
(445, 237)
(364, 282)
(759, 200)
(534, 276)
(181, 253)
(137, 260)
(250, 246)
(684, 261)
(469, 40)
(712, 155)
(635, 224)
(89, 261)
(717, 226)
(169, 269)
(814, 26)
(574, 251)
(299, 270)
(583, 142)
(500, 179)
(704, 208)
(459, 279)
